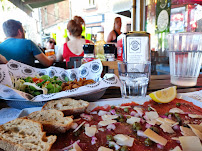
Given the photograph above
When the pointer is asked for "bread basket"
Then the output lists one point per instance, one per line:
(21, 104)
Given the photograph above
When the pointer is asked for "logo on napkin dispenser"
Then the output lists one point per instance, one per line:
(135, 45)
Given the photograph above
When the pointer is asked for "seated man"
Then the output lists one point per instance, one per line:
(50, 44)
(18, 48)
(3, 60)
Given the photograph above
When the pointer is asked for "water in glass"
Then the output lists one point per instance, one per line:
(185, 67)
(135, 85)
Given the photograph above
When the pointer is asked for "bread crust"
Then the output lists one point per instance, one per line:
(10, 146)
(68, 106)
(74, 111)
(53, 121)
(55, 129)
(24, 135)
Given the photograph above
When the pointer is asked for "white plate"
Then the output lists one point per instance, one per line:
(139, 100)
(21, 104)
(119, 101)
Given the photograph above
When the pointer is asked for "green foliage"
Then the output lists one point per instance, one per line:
(7, 5)
(2, 4)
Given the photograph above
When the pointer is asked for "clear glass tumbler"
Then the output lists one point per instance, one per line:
(185, 57)
(134, 78)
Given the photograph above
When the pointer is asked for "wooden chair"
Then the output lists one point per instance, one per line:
(112, 67)
(74, 62)
(56, 64)
(154, 61)
(60, 64)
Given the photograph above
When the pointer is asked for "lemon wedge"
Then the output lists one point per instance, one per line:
(165, 95)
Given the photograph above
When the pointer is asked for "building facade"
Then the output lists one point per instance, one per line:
(98, 16)
(54, 19)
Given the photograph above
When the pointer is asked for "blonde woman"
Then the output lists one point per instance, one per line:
(112, 37)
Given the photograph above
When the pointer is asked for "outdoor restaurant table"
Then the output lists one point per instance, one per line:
(56, 64)
(157, 82)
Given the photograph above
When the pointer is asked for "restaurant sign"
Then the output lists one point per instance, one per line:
(94, 19)
(163, 8)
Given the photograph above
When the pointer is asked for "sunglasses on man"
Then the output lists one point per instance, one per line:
(52, 42)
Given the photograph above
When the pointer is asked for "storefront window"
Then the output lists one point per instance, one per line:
(185, 16)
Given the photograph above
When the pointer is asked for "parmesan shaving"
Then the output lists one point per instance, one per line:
(109, 117)
(166, 124)
(122, 107)
(160, 120)
(124, 140)
(167, 120)
(190, 143)
(186, 131)
(167, 128)
(175, 138)
(177, 148)
(152, 108)
(132, 120)
(76, 120)
(101, 113)
(152, 122)
(195, 116)
(101, 148)
(138, 110)
(155, 137)
(76, 147)
(79, 126)
(90, 131)
(176, 110)
(175, 124)
(117, 147)
(107, 122)
(151, 115)
(197, 129)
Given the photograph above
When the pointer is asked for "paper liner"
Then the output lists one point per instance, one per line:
(90, 70)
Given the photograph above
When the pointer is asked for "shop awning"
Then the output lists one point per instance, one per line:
(123, 7)
(28, 5)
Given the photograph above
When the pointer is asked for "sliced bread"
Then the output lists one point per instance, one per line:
(53, 121)
(67, 106)
(24, 135)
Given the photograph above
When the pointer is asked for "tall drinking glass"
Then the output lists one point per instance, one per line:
(185, 57)
(134, 78)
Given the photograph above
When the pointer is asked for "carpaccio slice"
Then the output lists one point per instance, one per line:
(151, 126)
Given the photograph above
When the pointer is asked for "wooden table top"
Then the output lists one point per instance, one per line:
(157, 82)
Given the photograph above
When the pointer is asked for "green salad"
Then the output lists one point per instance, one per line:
(39, 85)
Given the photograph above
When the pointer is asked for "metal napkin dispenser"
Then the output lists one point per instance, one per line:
(134, 46)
